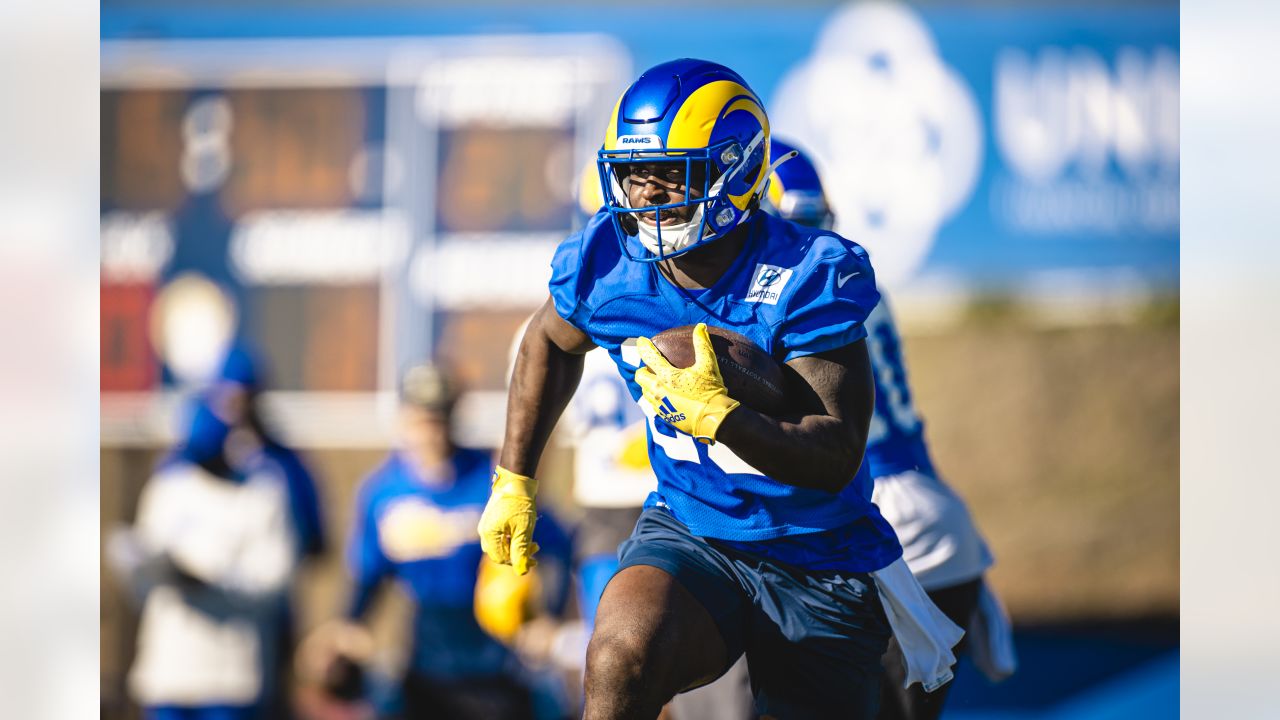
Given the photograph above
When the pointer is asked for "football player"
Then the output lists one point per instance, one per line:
(760, 538)
(940, 543)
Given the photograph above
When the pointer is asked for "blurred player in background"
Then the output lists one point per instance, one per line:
(237, 389)
(415, 522)
(759, 538)
(940, 543)
(211, 553)
(193, 330)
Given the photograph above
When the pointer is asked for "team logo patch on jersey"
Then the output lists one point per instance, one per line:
(767, 283)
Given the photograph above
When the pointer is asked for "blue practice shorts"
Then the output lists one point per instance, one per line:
(813, 640)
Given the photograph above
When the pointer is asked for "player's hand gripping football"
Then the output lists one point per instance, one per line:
(693, 399)
(506, 525)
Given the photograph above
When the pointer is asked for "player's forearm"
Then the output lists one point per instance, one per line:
(542, 384)
(812, 451)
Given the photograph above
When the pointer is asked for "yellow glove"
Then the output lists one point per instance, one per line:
(504, 600)
(506, 525)
(692, 399)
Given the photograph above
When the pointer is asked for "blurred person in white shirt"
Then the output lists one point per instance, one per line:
(211, 552)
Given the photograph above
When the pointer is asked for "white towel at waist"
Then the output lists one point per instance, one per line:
(923, 632)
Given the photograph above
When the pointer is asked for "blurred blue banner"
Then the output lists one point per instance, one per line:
(1007, 147)
(989, 147)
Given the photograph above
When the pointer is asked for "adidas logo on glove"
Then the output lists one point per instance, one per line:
(668, 413)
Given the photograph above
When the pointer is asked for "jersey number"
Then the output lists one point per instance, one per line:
(893, 409)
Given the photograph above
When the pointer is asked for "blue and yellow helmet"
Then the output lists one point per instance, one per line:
(795, 191)
(704, 115)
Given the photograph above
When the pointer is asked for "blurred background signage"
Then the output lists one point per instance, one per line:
(373, 198)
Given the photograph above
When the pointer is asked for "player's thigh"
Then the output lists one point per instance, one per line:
(816, 641)
(650, 618)
(676, 601)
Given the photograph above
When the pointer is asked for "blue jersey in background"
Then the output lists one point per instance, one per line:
(895, 441)
(424, 536)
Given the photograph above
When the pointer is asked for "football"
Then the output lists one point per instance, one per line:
(751, 375)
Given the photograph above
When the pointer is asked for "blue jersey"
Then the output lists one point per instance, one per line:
(895, 442)
(793, 291)
(424, 536)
